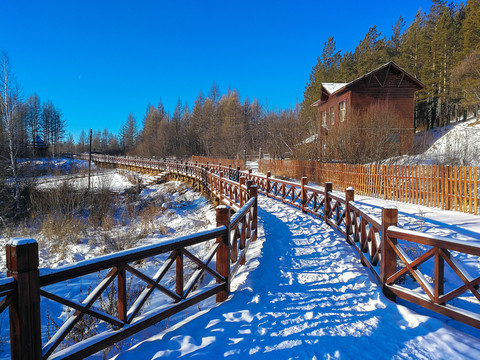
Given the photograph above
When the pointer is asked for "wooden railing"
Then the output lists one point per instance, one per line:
(386, 249)
(446, 187)
(29, 288)
(368, 234)
(389, 260)
(218, 161)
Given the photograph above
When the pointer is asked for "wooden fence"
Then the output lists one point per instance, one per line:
(26, 284)
(446, 187)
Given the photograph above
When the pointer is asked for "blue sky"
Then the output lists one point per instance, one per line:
(98, 61)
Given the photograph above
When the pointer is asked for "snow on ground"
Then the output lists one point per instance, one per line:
(111, 180)
(179, 211)
(454, 144)
(308, 297)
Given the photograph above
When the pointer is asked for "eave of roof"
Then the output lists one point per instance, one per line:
(339, 88)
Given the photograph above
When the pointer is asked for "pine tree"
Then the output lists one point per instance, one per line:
(371, 52)
(347, 70)
(471, 27)
(393, 44)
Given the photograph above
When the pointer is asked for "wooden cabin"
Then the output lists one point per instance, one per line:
(387, 88)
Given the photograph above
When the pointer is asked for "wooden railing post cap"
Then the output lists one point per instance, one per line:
(22, 255)
(350, 188)
(222, 211)
(390, 213)
(21, 241)
(390, 208)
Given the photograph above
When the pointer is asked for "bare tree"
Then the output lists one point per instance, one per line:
(10, 118)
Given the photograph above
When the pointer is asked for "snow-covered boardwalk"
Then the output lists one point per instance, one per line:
(307, 296)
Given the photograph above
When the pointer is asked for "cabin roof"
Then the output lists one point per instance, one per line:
(333, 88)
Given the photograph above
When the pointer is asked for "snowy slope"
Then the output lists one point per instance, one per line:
(454, 144)
(309, 298)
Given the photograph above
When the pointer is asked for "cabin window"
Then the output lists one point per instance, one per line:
(332, 115)
(342, 110)
(324, 118)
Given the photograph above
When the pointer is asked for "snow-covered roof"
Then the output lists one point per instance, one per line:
(332, 87)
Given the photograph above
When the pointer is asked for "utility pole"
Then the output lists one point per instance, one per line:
(90, 160)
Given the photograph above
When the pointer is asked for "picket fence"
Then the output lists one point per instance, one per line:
(445, 187)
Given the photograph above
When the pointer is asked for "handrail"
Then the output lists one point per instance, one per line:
(81, 268)
(417, 237)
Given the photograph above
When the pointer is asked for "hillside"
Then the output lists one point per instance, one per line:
(454, 144)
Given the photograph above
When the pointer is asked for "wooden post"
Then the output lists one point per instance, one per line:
(223, 257)
(242, 181)
(388, 265)
(267, 185)
(253, 192)
(179, 273)
(220, 187)
(349, 196)
(303, 193)
(244, 159)
(122, 295)
(439, 275)
(24, 312)
(328, 188)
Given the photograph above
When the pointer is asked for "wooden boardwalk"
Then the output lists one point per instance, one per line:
(307, 296)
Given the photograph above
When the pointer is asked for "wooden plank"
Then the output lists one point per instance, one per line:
(454, 187)
(465, 190)
(470, 190)
(439, 275)
(475, 189)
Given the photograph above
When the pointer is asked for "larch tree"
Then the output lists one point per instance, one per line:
(129, 134)
(33, 118)
(198, 127)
